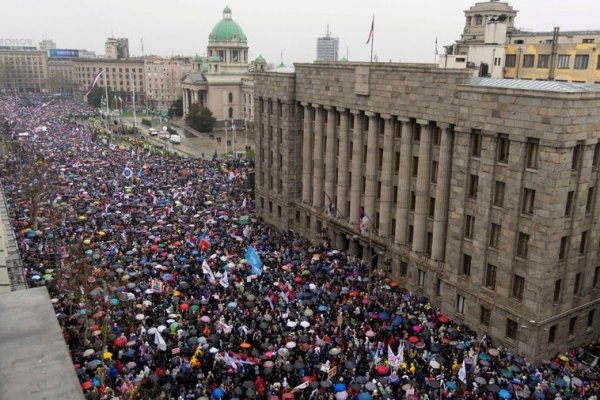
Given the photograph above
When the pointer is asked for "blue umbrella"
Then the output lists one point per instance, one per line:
(361, 379)
(365, 396)
(451, 385)
(384, 316)
(484, 356)
(540, 395)
(397, 320)
(560, 382)
(505, 394)
(322, 308)
(218, 393)
(339, 387)
(114, 302)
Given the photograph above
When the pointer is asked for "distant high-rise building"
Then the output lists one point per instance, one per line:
(116, 48)
(327, 47)
(46, 45)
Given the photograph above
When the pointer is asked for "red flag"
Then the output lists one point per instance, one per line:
(94, 81)
(372, 30)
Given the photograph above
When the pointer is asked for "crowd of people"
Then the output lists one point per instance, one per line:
(168, 286)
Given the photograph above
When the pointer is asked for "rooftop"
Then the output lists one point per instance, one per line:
(546, 86)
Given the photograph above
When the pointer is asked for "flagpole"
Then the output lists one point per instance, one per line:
(105, 90)
(133, 99)
(372, 38)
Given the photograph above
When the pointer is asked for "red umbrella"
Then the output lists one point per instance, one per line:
(87, 385)
(443, 319)
(153, 247)
(354, 293)
(120, 341)
(184, 306)
(413, 339)
(381, 369)
(298, 279)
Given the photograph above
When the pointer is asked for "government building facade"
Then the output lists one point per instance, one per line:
(478, 193)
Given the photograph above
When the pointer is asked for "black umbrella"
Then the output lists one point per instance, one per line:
(434, 384)
(288, 367)
(492, 388)
(249, 384)
(326, 384)
(299, 364)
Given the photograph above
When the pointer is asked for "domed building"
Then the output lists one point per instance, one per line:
(216, 80)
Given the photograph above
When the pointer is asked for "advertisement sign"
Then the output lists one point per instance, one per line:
(63, 53)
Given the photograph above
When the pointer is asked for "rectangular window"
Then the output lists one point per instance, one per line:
(499, 194)
(577, 150)
(494, 236)
(485, 315)
(417, 133)
(397, 161)
(415, 166)
(528, 60)
(522, 245)
(511, 328)
(431, 206)
(528, 201)
(557, 288)
(413, 201)
(572, 323)
(473, 183)
(590, 318)
(490, 277)
(460, 303)
(421, 278)
(596, 156)
(531, 153)
(437, 136)
(511, 60)
(590, 199)
(544, 61)
(569, 205)
(469, 226)
(583, 242)
(581, 61)
(429, 242)
(577, 285)
(434, 171)
(298, 217)
(564, 242)
(518, 287)
(411, 231)
(502, 151)
(596, 280)
(466, 265)
(598, 63)
(476, 144)
(403, 268)
(564, 61)
(552, 334)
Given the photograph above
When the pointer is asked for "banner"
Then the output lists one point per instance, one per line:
(254, 260)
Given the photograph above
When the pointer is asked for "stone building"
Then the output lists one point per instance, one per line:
(163, 80)
(116, 48)
(122, 76)
(478, 193)
(492, 45)
(23, 69)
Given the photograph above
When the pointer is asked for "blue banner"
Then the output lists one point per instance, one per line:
(254, 260)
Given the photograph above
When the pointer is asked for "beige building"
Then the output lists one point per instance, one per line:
(61, 76)
(23, 70)
(478, 193)
(163, 78)
(116, 48)
(492, 46)
(122, 76)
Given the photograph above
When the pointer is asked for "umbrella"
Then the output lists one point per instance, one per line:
(339, 387)
(361, 379)
(290, 344)
(335, 351)
(492, 387)
(413, 339)
(370, 333)
(350, 364)
(326, 384)
(218, 393)
(343, 395)
(370, 386)
(505, 394)
(560, 382)
(93, 364)
(365, 396)
(140, 317)
(205, 318)
(480, 380)
(493, 352)
(434, 364)
(381, 369)
(434, 384)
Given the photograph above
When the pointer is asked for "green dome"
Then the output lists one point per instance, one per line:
(260, 60)
(197, 58)
(214, 58)
(227, 29)
(282, 65)
(204, 68)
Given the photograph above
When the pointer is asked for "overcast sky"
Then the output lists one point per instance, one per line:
(404, 30)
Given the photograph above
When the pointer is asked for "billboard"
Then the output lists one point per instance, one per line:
(63, 53)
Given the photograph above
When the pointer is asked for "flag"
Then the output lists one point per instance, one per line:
(372, 31)
(301, 386)
(363, 218)
(244, 203)
(462, 373)
(159, 341)
(120, 99)
(94, 81)
(393, 358)
(127, 172)
(230, 361)
(207, 271)
(400, 354)
(254, 260)
(224, 281)
(376, 357)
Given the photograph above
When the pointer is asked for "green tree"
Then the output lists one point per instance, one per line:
(95, 97)
(176, 109)
(199, 118)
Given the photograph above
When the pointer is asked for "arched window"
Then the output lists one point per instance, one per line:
(230, 112)
(479, 20)
(230, 98)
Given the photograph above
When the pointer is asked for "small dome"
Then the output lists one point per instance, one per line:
(282, 65)
(197, 58)
(214, 58)
(344, 59)
(227, 29)
(260, 60)
(204, 68)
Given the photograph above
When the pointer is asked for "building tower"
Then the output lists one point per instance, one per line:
(327, 47)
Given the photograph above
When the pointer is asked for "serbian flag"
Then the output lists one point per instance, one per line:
(94, 81)
(371, 31)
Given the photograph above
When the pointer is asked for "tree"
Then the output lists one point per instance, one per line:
(176, 109)
(199, 118)
(95, 97)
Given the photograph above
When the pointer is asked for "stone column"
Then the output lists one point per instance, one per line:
(307, 154)
(404, 181)
(422, 192)
(442, 193)
(330, 159)
(357, 161)
(342, 187)
(317, 199)
(371, 169)
(185, 104)
(385, 205)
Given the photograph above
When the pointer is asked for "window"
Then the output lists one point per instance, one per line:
(230, 97)
(552, 334)
(403, 268)
(511, 61)
(397, 161)
(564, 242)
(279, 211)
(598, 63)
(485, 315)
(531, 153)
(588, 41)
(518, 287)
(564, 61)
(596, 156)
(544, 61)
(429, 242)
(577, 285)
(569, 205)
(417, 133)
(473, 183)
(230, 112)
(499, 194)
(528, 201)
(572, 323)
(469, 226)
(583, 242)
(494, 235)
(437, 136)
(528, 60)
(415, 166)
(490, 277)
(434, 171)
(413, 200)
(577, 150)
(411, 231)
(476, 144)
(590, 199)
(590, 318)
(502, 150)
(511, 328)
(466, 265)
(479, 20)
(596, 279)
(581, 61)
(522, 245)
(421, 278)
(557, 287)
(519, 41)
(460, 303)
(431, 206)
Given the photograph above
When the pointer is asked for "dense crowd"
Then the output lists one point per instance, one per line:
(167, 286)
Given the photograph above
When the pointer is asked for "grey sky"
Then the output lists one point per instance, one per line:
(404, 30)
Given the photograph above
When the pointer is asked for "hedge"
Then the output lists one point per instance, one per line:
(146, 122)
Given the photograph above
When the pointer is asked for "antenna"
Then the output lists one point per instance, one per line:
(142, 40)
